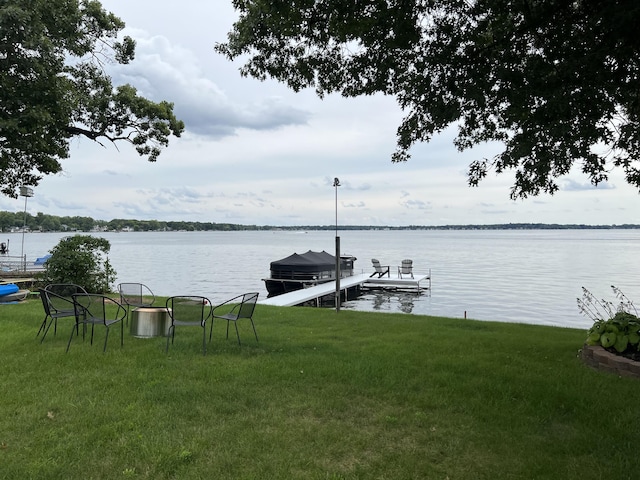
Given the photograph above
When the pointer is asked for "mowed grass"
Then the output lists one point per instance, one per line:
(323, 395)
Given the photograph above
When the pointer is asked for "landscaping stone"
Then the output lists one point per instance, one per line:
(600, 359)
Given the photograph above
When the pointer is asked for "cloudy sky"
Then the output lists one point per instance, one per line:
(257, 153)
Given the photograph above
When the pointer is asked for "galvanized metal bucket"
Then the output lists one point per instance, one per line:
(146, 322)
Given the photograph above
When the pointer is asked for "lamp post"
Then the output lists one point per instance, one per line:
(25, 192)
(336, 184)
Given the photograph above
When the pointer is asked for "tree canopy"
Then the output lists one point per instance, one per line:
(53, 87)
(555, 81)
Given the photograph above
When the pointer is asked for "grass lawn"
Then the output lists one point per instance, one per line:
(351, 395)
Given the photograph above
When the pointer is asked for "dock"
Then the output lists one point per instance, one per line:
(316, 292)
(16, 280)
(297, 297)
(416, 282)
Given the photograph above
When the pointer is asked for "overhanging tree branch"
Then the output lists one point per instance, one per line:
(53, 87)
(543, 78)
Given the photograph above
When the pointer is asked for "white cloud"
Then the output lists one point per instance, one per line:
(570, 184)
(163, 71)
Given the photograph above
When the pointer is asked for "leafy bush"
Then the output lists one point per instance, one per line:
(81, 259)
(615, 327)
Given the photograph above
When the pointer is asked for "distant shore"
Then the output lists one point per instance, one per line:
(15, 222)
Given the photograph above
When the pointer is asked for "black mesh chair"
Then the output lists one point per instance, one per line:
(135, 295)
(189, 311)
(241, 307)
(94, 309)
(57, 301)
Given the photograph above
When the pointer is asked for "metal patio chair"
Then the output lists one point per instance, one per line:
(242, 306)
(135, 295)
(57, 301)
(95, 309)
(189, 311)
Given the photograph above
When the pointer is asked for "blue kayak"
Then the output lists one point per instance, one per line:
(8, 289)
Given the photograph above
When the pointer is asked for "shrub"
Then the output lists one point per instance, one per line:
(81, 259)
(615, 327)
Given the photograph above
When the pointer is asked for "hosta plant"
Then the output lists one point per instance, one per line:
(616, 327)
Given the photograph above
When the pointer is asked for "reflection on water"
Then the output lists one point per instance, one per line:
(529, 276)
(387, 301)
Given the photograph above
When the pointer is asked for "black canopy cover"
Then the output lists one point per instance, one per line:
(309, 262)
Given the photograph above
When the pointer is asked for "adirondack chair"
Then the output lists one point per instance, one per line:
(380, 270)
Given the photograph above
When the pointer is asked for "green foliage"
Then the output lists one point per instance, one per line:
(617, 331)
(620, 333)
(53, 87)
(81, 259)
(548, 79)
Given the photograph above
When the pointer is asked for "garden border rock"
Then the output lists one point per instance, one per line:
(600, 359)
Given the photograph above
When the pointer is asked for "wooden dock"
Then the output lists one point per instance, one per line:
(364, 280)
(313, 293)
(405, 283)
(16, 280)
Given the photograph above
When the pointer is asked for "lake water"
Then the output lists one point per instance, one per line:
(526, 276)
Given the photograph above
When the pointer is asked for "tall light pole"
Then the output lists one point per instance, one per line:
(336, 184)
(25, 192)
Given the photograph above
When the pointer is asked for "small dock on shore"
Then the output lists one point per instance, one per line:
(363, 280)
(413, 283)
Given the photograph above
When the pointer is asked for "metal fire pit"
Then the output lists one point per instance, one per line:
(147, 322)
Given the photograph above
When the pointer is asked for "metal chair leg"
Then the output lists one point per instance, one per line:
(170, 335)
(71, 337)
(211, 331)
(254, 329)
(106, 337)
(42, 325)
(237, 332)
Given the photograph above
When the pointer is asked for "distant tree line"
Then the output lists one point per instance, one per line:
(46, 223)
(50, 223)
